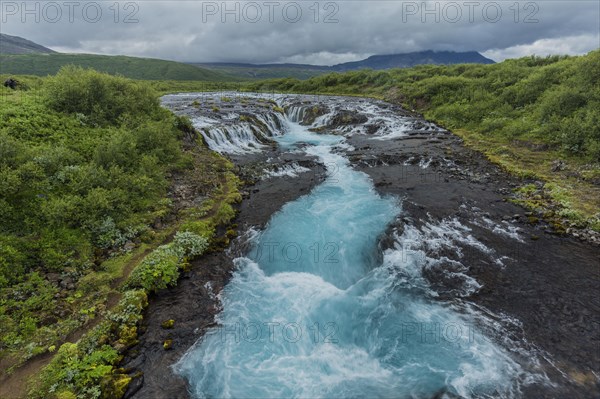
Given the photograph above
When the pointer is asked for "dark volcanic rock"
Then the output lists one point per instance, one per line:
(12, 83)
(344, 117)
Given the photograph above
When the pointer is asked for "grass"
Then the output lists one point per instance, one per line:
(254, 72)
(172, 86)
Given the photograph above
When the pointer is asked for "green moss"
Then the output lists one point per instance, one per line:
(116, 386)
(224, 214)
(203, 228)
(66, 395)
(168, 324)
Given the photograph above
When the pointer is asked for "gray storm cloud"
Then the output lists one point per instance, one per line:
(318, 32)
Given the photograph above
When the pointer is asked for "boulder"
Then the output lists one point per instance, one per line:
(345, 117)
(12, 83)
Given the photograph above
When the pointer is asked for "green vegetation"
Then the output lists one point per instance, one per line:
(523, 114)
(131, 67)
(83, 177)
(272, 71)
(87, 160)
(193, 86)
(87, 369)
(161, 268)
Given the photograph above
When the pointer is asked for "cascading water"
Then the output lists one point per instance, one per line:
(314, 311)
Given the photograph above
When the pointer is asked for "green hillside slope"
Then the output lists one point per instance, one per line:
(130, 67)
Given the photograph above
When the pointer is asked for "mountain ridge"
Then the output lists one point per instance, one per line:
(19, 45)
(376, 62)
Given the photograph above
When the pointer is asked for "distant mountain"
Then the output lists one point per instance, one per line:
(131, 67)
(411, 59)
(304, 71)
(17, 45)
(266, 71)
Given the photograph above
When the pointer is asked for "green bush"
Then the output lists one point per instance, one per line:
(12, 260)
(100, 98)
(158, 270)
(74, 374)
(191, 244)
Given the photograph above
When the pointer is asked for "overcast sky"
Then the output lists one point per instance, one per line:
(316, 32)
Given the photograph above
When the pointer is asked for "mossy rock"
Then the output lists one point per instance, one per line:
(168, 344)
(115, 386)
(128, 335)
(66, 395)
(168, 324)
(559, 228)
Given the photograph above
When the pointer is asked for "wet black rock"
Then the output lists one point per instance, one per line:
(12, 83)
(344, 117)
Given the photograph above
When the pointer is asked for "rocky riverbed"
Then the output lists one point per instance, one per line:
(534, 291)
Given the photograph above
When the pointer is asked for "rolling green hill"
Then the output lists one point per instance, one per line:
(266, 71)
(131, 67)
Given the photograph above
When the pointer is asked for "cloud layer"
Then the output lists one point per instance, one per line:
(318, 32)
